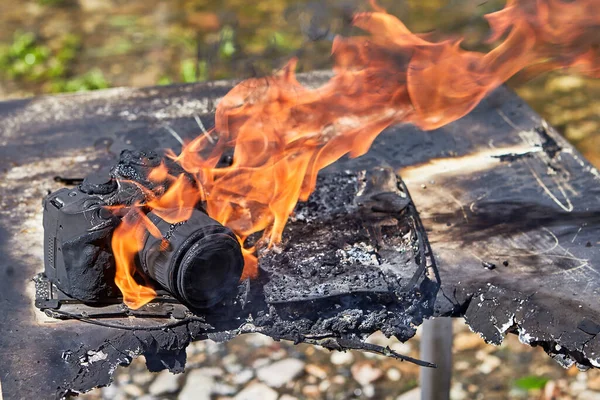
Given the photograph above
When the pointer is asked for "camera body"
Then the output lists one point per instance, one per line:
(200, 266)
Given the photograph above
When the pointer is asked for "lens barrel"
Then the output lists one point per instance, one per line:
(201, 264)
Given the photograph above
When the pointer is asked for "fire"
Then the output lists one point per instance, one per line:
(283, 133)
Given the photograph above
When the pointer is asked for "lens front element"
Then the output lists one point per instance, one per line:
(202, 264)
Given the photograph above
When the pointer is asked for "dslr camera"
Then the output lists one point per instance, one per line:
(201, 265)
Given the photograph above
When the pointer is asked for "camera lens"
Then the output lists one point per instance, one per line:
(201, 264)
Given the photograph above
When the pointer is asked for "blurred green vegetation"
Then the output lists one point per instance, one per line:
(531, 382)
(29, 61)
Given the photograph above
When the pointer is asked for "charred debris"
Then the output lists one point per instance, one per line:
(354, 260)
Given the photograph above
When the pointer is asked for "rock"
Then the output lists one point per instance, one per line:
(198, 386)
(458, 393)
(112, 392)
(413, 394)
(278, 354)
(589, 395)
(593, 381)
(212, 371)
(212, 347)
(280, 372)
(462, 365)
(165, 382)
(223, 389)
(123, 379)
(143, 378)
(311, 391)
(243, 377)
(260, 362)
(287, 397)
(489, 364)
(577, 387)
(365, 373)
(133, 390)
(368, 390)
(316, 371)
(258, 340)
(393, 374)
(324, 386)
(401, 348)
(341, 357)
(467, 341)
(379, 339)
(257, 391)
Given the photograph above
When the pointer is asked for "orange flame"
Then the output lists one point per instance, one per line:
(283, 133)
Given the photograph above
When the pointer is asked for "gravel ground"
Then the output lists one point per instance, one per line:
(256, 367)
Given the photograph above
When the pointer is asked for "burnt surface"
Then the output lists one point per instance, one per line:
(502, 189)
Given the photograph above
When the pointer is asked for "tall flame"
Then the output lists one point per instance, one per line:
(283, 133)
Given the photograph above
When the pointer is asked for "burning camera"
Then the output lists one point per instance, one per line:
(200, 264)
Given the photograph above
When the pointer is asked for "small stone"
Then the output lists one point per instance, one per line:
(112, 392)
(278, 354)
(593, 382)
(280, 372)
(243, 377)
(467, 341)
(341, 358)
(260, 362)
(462, 365)
(365, 373)
(287, 397)
(311, 391)
(229, 359)
(257, 391)
(378, 338)
(413, 394)
(393, 374)
(368, 390)
(143, 378)
(233, 368)
(258, 340)
(223, 389)
(165, 382)
(589, 395)
(577, 387)
(198, 386)
(315, 370)
(133, 390)
(339, 380)
(324, 386)
(212, 371)
(401, 348)
(458, 393)
(212, 347)
(489, 364)
(123, 379)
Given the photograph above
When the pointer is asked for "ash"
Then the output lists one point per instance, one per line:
(333, 277)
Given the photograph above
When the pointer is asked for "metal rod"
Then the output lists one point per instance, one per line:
(436, 347)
